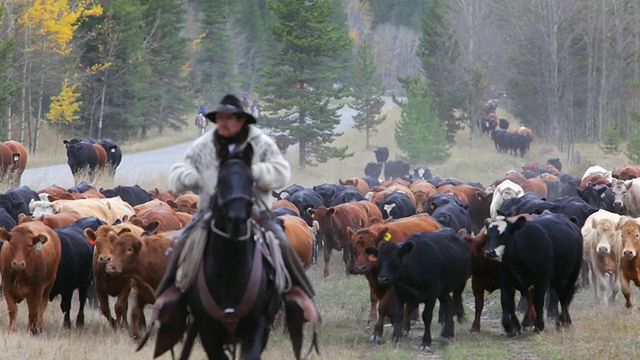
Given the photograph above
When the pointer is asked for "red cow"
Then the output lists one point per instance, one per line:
(285, 203)
(630, 263)
(358, 183)
(19, 153)
(143, 259)
(163, 195)
(422, 190)
(370, 208)
(102, 156)
(333, 223)
(166, 219)
(53, 221)
(479, 204)
(535, 185)
(187, 203)
(532, 166)
(30, 258)
(595, 179)
(626, 173)
(300, 236)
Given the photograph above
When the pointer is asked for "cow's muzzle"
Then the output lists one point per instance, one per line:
(18, 265)
(112, 269)
(629, 253)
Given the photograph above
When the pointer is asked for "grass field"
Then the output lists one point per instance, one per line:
(597, 333)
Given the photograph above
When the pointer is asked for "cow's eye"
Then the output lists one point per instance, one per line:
(129, 250)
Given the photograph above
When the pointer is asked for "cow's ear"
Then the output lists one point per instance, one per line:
(350, 232)
(518, 224)
(311, 212)
(372, 253)
(382, 233)
(405, 249)
(90, 235)
(152, 226)
(462, 232)
(124, 231)
(136, 245)
(172, 204)
(40, 238)
(580, 191)
(22, 218)
(275, 194)
(481, 195)
(341, 182)
(628, 184)
(501, 213)
(332, 211)
(594, 222)
(623, 220)
(5, 235)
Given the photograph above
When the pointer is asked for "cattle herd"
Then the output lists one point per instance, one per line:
(416, 238)
(506, 140)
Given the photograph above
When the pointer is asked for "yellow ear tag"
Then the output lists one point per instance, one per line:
(484, 231)
(387, 236)
(313, 215)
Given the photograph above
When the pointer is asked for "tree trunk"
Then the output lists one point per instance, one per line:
(302, 155)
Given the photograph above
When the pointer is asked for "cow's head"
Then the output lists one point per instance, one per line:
(25, 245)
(477, 244)
(619, 189)
(126, 254)
(103, 239)
(630, 232)
(361, 240)
(389, 257)
(606, 232)
(499, 234)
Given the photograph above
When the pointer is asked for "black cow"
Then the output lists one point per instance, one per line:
(599, 196)
(422, 172)
(371, 181)
(80, 188)
(519, 142)
(501, 140)
(439, 199)
(573, 207)
(453, 216)
(76, 267)
(16, 201)
(543, 252)
(304, 200)
(396, 205)
(556, 163)
(81, 155)
(425, 267)
(347, 195)
(503, 124)
(6, 221)
(373, 169)
(486, 125)
(133, 195)
(396, 169)
(284, 211)
(114, 153)
(284, 194)
(449, 181)
(382, 154)
(529, 203)
(327, 191)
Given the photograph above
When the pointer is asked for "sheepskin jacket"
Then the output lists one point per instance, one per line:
(199, 170)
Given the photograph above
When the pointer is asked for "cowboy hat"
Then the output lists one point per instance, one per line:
(230, 104)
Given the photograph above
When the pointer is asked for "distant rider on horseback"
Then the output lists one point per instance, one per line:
(233, 128)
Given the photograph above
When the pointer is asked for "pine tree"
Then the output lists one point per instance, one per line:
(212, 64)
(438, 51)
(632, 150)
(296, 85)
(611, 140)
(8, 87)
(419, 133)
(367, 92)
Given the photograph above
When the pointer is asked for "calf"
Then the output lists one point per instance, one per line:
(542, 252)
(422, 191)
(425, 267)
(187, 203)
(602, 249)
(29, 257)
(142, 259)
(630, 263)
(105, 283)
(75, 270)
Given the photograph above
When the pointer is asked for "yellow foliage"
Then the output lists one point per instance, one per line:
(56, 20)
(63, 107)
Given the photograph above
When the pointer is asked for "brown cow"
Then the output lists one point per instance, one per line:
(285, 203)
(595, 179)
(102, 156)
(552, 169)
(300, 236)
(19, 153)
(630, 263)
(479, 204)
(548, 178)
(6, 159)
(54, 191)
(142, 259)
(333, 222)
(358, 183)
(151, 204)
(106, 284)
(92, 193)
(526, 132)
(163, 195)
(53, 221)
(532, 166)
(626, 173)
(535, 185)
(370, 208)
(187, 203)
(422, 190)
(516, 178)
(378, 196)
(167, 219)
(371, 236)
(30, 258)
(454, 190)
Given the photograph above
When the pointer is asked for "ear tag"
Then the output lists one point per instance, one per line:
(387, 236)
(313, 215)
(484, 231)
(39, 246)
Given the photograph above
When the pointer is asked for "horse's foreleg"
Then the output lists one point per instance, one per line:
(253, 345)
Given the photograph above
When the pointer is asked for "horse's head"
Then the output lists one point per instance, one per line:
(232, 204)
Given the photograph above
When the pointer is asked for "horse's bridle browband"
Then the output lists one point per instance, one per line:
(222, 233)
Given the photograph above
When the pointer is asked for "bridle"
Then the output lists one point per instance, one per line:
(249, 220)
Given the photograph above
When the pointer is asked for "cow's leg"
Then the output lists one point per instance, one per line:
(614, 279)
(409, 314)
(625, 287)
(65, 306)
(427, 317)
(12, 307)
(458, 307)
(346, 258)
(374, 304)
(327, 256)
(82, 299)
(121, 307)
(585, 274)
(446, 304)
(552, 304)
(510, 322)
(530, 311)
(599, 286)
(396, 318)
(539, 294)
(103, 301)
(33, 304)
(478, 295)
